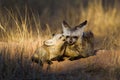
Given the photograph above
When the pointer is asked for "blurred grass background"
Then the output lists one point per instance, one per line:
(25, 24)
(29, 19)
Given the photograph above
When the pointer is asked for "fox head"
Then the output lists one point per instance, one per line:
(72, 34)
(55, 40)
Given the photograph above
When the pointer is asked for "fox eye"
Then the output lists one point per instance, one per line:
(75, 37)
(67, 36)
(53, 34)
(60, 37)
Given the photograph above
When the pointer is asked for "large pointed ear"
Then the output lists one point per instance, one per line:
(82, 25)
(65, 26)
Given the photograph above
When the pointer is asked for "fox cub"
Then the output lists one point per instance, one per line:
(52, 49)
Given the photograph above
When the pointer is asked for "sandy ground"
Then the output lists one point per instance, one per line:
(105, 65)
(103, 59)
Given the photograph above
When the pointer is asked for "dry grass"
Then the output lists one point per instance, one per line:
(22, 33)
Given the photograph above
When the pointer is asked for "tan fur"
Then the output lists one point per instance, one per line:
(47, 53)
(79, 43)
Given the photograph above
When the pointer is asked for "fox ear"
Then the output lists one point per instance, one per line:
(82, 25)
(65, 24)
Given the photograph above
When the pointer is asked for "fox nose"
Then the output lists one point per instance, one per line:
(71, 41)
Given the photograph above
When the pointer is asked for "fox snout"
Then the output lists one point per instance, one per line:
(71, 40)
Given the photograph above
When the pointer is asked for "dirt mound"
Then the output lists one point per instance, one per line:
(104, 65)
(103, 59)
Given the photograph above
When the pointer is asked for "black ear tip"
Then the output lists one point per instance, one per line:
(85, 22)
(64, 22)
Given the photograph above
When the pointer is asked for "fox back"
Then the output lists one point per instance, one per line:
(88, 43)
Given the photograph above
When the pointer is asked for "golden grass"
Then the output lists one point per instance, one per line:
(22, 33)
(18, 26)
